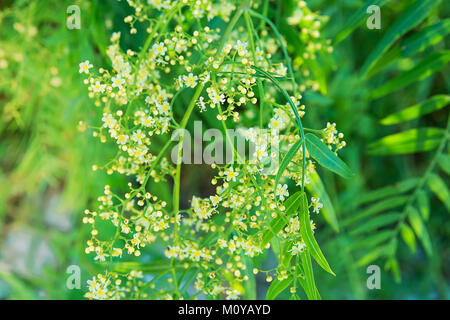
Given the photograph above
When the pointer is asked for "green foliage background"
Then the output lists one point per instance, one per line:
(393, 212)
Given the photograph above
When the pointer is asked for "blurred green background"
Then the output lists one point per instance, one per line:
(46, 179)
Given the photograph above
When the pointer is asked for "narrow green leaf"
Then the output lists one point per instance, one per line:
(250, 283)
(427, 37)
(435, 103)
(424, 69)
(287, 159)
(377, 222)
(372, 241)
(277, 287)
(419, 228)
(440, 189)
(392, 264)
(285, 254)
(410, 141)
(291, 206)
(408, 236)
(317, 188)
(411, 18)
(444, 163)
(19, 289)
(372, 255)
(377, 207)
(325, 157)
(398, 188)
(310, 284)
(423, 203)
(356, 19)
(291, 104)
(308, 236)
(414, 44)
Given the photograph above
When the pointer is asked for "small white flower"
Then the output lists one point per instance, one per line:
(250, 134)
(109, 121)
(316, 204)
(276, 123)
(138, 136)
(294, 224)
(297, 248)
(232, 294)
(215, 200)
(201, 103)
(159, 49)
(115, 36)
(282, 191)
(215, 96)
(163, 107)
(122, 139)
(241, 48)
(230, 174)
(190, 80)
(260, 151)
(117, 82)
(85, 66)
(259, 54)
(98, 87)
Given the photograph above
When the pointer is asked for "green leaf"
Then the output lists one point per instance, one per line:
(373, 240)
(289, 100)
(419, 228)
(410, 141)
(356, 19)
(435, 103)
(444, 163)
(277, 287)
(425, 68)
(377, 207)
(414, 44)
(308, 236)
(310, 284)
(287, 159)
(440, 189)
(411, 18)
(291, 206)
(398, 188)
(375, 254)
(408, 236)
(377, 222)
(427, 37)
(423, 203)
(20, 290)
(250, 283)
(325, 157)
(286, 256)
(317, 188)
(392, 264)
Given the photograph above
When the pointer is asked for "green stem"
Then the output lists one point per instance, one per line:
(162, 21)
(251, 30)
(428, 171)
(297, 117)
(244, 5)
(183, 123)
(283, 47)
(155, 162)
